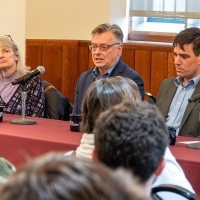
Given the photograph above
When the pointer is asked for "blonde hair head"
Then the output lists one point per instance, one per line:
(6, 41)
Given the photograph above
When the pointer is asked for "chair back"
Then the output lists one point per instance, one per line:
(172, 189)
(57, 106)
(151, 99)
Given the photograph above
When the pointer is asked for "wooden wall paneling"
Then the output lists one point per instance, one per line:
(143, 67)
(159, 70)
(128, 56)
(33, 56)
(65, 60)
(148, 46)
(52, 62)
(150, 37)
(59, 57)
(84, 45)
(171, 66)
(83, 60)
(69, 70)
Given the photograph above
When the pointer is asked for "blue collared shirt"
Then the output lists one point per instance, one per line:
(106, 75)
(180, 101)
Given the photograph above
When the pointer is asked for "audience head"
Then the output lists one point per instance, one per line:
(103, 94)
(189, 36)
(132, 135)
(13, 54)
(56, 177)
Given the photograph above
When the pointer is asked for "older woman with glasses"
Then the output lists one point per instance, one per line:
(11, 68)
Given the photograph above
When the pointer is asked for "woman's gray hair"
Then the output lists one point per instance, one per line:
(104, 93)
(5, 41)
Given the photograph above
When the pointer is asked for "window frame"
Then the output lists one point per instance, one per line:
(163, 16)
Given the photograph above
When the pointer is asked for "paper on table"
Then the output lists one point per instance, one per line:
(189, 142)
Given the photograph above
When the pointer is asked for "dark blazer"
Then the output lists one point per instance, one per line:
(190, 122)
(87, 78)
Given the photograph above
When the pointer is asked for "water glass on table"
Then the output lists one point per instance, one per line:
(75, 121)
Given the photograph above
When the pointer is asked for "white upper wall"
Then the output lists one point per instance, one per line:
(119, 14)
(12, 20)
(65, 19)
(58, 19)
(71, 19)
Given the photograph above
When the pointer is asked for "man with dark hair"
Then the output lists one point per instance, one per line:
(174, 92)
(106, 48)
(55, 177)
(134, 135)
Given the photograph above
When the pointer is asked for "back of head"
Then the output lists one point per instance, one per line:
(188, 36)
(114, 28)
(7, 41)
(132, 135)
(104, 93)
(56, 177)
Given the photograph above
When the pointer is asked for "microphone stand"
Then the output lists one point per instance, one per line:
(23, 120)
(196, 145)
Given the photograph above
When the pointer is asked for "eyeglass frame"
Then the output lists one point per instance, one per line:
(9, 36)
(100, 46)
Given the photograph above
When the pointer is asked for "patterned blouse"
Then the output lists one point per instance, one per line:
(35, 102)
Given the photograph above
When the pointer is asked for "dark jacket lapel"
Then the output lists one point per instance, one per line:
(190, 106)
(118, 70)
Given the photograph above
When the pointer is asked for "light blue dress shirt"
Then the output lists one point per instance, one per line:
(106, 75)
(180, 101)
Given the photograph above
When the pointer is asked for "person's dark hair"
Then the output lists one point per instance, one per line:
(57, 177)
(104, 93)
(188, 36)
(196, 46)
(131, 135)
(114, 28)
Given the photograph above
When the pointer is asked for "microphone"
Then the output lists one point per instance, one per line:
(194, 99)
(26, 77)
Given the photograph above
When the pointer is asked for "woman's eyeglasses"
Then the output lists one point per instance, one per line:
(8, 36)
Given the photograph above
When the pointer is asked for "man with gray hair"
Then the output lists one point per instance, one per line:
(106, 48)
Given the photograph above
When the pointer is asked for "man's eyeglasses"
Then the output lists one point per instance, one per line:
(8, 36)
(102, 47)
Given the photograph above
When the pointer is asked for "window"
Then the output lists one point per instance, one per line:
(163, 17)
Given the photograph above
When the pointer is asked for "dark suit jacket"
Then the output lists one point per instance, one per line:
(86, 79)
(190, 122)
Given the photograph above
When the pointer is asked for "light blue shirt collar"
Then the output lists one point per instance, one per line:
(106, 75)
(193, 81)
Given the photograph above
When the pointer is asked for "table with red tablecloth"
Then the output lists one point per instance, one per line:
(20, 143)
(189, 160)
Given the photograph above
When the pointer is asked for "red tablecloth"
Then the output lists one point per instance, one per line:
(19, 143)
(189, 160)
